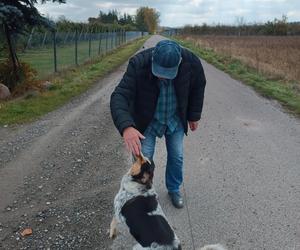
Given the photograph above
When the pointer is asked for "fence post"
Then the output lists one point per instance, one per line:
(80, 33)
(54, 51)
(121, 36)
(86, 34)
(112, 40)
(90, 40)
(73, 37)
(45, 36)
(106, 41)
(76, 47)
(29, 39)
(100, 38)
(66, 37)
(116, 38)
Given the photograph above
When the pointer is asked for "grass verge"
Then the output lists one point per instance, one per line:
(66, 85)
(286, 93)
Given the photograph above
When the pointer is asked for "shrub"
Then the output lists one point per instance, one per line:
(19, 83)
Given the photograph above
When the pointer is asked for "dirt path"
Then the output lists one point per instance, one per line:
(59, 175)
(242, 177)
(242, 173)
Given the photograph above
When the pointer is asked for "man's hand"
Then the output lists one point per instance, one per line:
(132, 140)
(193, 125)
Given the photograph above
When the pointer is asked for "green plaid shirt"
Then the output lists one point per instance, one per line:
(165, 118)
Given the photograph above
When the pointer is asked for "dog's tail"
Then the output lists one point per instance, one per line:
(213, 247)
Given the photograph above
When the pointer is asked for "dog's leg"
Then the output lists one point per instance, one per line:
(113, 228)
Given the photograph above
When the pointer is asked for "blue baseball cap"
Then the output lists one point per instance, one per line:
(166, 58)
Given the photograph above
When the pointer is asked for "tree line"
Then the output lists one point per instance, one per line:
(146, 19)
(277, 27)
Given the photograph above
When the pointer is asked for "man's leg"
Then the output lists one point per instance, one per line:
(174, 169)
(148, 144)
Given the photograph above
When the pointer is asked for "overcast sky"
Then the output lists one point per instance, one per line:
(180, 12)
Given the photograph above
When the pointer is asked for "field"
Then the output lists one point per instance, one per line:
(245, 64)
(277, 57)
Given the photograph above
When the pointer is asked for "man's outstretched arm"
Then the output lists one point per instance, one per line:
(120, 100)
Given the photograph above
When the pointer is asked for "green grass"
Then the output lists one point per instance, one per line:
(42, 60)
(282, 91)
(67, 85)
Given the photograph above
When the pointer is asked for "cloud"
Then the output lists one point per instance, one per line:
(196, 2)
(180, 12)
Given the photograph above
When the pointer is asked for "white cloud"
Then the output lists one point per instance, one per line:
(196, 2)
(294, 13)
(180, 12)
(105, 5)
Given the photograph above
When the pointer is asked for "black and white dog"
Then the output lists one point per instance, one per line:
(136, 205)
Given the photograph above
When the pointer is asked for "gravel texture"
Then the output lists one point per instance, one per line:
(59, 175)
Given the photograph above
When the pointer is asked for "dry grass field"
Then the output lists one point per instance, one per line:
(274, 56)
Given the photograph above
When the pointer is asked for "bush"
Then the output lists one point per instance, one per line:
(19, 83)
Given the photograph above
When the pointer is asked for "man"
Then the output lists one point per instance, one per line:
(160, 94)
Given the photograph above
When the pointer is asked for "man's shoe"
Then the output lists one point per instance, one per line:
(176, 199)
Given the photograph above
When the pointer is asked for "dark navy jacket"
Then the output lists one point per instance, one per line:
(133, 102)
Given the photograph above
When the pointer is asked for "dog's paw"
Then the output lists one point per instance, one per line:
(113, 229)
(112, 233)
(213, 247)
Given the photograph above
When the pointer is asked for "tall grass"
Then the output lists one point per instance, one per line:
(286, 92)
(274, 56)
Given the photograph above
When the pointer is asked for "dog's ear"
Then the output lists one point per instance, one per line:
(136, 167)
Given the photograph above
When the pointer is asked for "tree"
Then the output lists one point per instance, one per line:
(110, 17)
(147, 19)
(15, 16)
(240, 22)
(281, 26)
(126, 19)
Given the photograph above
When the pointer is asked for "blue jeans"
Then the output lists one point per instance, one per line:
(174, 144)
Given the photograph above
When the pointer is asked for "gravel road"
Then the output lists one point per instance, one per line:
(59, 175)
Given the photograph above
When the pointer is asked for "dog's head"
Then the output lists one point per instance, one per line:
(142, 171)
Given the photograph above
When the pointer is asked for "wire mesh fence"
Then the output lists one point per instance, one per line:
(49, 52)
